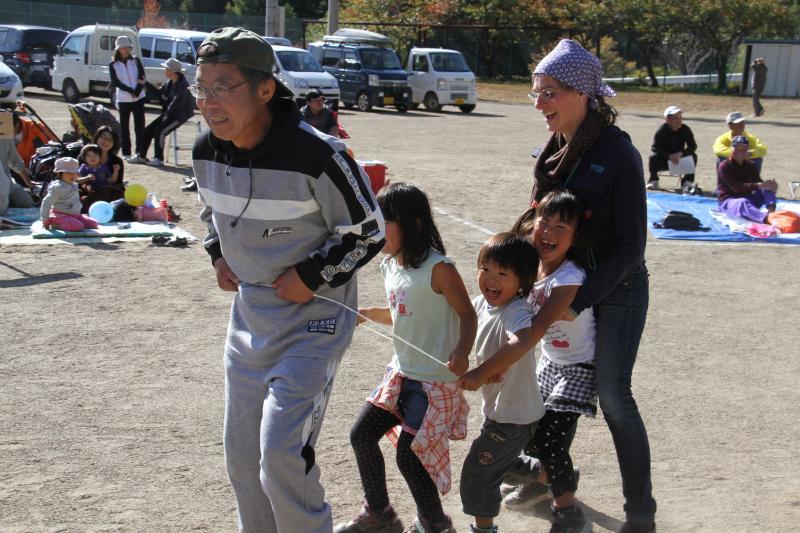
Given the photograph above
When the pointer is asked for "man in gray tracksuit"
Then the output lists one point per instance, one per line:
(290, 216)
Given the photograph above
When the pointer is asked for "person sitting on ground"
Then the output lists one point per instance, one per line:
(61, 207)
(102, 180)
(12, 194)
(177, 106)
(317, 114)
(673, 141)
(740, 190)
(723, 146)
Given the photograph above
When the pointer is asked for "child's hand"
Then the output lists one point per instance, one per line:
(458, 363)
(472, 380)
(359, 318)
(497, 378)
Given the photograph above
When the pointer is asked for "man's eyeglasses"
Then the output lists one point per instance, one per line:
(217, 92)
(544, 96)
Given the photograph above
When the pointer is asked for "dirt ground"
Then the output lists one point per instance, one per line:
(112, 371)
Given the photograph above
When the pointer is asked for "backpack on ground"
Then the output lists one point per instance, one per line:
(679, 220)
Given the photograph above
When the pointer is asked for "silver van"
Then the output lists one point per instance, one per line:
(158, 45)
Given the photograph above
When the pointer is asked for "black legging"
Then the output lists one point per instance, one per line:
(125, 110)
(372, 424)
(157, 131)
(552, 439)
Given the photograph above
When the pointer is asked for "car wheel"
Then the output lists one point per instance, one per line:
(363, 103)
(431, 103)
(70, 91)
(401, 108)
(467, 108)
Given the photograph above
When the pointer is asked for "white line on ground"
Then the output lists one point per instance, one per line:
(472, 225)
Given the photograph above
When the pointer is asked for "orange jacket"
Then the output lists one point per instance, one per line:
(32, 138)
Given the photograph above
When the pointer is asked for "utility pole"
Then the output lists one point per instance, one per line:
(271, 22)
(333, 16)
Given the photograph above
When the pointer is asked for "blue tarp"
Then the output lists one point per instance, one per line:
(658, 203)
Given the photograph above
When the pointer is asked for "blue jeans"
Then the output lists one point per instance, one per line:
(620, 320)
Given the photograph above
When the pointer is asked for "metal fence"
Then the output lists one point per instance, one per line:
(71, 16)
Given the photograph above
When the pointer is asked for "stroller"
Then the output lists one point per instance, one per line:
(86, 118)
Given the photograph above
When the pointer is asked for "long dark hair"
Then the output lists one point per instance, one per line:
(409, 208)
(515, 252)
(101, 130)
(564, 204)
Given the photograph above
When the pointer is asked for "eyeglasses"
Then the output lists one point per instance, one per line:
(217, 92)
(544, 96)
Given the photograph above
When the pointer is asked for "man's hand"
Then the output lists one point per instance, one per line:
(226, 279)
(769, 185)
(458, 363)
(290, 287)
(676, 157)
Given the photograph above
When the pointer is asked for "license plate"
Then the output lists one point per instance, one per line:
(39, 56)
(459, 101)
(388, 100)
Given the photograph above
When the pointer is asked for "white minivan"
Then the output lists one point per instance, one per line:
(301, 72)
(81, 66)
(160, 44)
(440, 77)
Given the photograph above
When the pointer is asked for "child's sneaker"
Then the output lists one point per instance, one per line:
(525, 495)
(421, 525)
(369, 521)
(569, 520)
(475, 529)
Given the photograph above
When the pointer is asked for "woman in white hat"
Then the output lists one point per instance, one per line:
(177, 106)
(128, 80)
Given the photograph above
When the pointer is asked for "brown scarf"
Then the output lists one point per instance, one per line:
(559, 157)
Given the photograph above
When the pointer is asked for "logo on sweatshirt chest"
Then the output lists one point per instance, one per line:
(278, 230)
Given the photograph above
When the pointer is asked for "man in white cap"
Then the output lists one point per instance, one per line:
(723, 145)
(672, 141)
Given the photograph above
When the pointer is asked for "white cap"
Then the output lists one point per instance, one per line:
(734, 118)
(672, 110)
(67, 164)
(123, 41)
(173, 64)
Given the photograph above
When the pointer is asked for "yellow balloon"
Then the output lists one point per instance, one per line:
(135, 194)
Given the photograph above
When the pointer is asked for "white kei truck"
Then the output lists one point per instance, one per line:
(440, 77)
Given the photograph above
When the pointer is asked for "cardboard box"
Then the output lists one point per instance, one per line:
(6, 125)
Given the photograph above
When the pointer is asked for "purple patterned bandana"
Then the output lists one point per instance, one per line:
(575, 67)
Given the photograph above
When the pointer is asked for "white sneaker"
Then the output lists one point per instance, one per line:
(526, 495)
(138, 160)
(652, 185)
(156, 162)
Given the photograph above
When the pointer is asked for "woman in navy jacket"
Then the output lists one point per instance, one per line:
(593, 158)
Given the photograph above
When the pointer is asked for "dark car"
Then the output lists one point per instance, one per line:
(29, 51)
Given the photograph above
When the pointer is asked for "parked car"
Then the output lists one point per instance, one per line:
(10, 85)
(159, 44)
(440, 77)
(81, 66)
(366, 67)
(300, 72)
(29, 51)
(283, 41)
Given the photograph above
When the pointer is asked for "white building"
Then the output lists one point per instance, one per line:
(782, 59)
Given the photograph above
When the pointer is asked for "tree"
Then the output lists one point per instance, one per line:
(722, 26)
(646, 24)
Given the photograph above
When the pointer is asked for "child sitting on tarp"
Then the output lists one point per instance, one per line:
(740, 191)
(61, 207)
(103, 178)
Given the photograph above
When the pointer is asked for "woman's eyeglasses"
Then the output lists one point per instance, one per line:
(544, 96)
(217, 92)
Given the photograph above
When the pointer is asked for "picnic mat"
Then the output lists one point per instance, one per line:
(704, 208)
(35, 233)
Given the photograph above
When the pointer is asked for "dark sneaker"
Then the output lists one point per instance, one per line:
(652, 185)
(475, 529)
(569, 520)
(369, 521)
(638, 527)
(421, 525)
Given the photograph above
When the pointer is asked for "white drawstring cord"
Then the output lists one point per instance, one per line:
(401, 339)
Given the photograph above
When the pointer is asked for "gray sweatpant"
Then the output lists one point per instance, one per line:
(273, 416)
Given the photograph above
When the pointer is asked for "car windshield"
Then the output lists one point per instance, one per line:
(299, 62)
(380, 59)
(449, 62)
(9, 40)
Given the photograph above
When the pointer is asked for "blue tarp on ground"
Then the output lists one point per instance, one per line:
(658, 203)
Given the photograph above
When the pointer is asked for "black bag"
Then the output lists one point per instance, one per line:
(680, 221)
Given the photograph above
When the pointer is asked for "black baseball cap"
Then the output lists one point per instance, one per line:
(243, 48)
(313, 94)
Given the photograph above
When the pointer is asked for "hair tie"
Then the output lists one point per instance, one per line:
(588, 214)
(534, 204)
